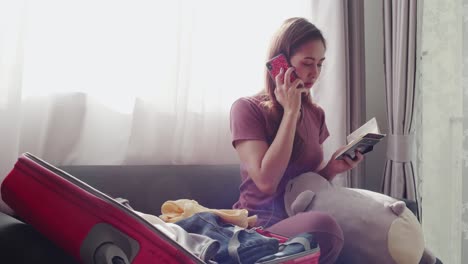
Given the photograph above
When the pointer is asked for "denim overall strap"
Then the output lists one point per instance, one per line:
(301, 240)
(234, 244)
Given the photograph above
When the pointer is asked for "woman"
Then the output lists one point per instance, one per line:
(278, 135)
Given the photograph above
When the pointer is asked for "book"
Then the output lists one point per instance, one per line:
(363, 139)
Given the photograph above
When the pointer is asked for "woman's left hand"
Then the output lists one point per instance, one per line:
(335, 166)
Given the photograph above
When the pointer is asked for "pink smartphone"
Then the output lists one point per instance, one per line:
(276, 63)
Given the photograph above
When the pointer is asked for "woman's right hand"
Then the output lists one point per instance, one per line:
(289, 94)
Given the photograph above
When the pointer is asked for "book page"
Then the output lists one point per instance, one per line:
(369, 127)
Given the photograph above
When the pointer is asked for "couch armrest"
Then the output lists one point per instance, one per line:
(21, 243)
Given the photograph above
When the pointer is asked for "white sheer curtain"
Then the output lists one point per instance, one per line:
(11, 40)
(145, 82)
(140, 81)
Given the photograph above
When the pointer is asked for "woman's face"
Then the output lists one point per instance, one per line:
(308, 61)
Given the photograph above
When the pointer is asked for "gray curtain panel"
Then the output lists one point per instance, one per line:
(355, 79)
(400, 41)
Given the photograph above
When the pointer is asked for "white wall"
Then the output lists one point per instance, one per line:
(375, 90)
(442, 128)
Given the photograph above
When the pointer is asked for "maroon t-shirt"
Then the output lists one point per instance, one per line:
(249, 121)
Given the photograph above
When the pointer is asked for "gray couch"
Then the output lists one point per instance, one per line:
(148, 187)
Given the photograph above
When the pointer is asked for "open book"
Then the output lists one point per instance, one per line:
(363, 139)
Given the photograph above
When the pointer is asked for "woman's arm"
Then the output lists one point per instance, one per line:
(267, 164)
(323, 170)
(322, 164)
(330, 169)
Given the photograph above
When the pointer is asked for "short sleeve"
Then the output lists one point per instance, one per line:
(247, 121)
(324, 134)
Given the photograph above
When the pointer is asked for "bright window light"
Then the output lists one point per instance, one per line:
(205, 53)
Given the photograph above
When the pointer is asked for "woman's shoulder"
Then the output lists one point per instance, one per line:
(254, 101)
(314, 107)
(249, 107)
(317, 111)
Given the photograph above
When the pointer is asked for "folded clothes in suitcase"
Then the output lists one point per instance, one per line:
(89, 225)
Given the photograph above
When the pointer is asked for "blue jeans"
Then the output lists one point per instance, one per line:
(251, 245)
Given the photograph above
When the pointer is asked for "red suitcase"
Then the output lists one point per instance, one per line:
(85, 222)
(91, 226)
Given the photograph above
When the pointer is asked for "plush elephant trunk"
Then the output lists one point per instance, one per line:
(302, 202)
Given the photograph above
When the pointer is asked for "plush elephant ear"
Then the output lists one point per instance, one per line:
(302, 202)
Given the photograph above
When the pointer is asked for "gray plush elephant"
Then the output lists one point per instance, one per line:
(377, 228)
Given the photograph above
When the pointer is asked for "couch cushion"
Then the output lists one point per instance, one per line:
(22, 244)
(148, 187)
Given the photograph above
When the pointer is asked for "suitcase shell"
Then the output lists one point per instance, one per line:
(79, 218)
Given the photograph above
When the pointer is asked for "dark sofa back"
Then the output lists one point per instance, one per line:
(148, 187)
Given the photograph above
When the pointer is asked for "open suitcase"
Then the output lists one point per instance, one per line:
(89, 225)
